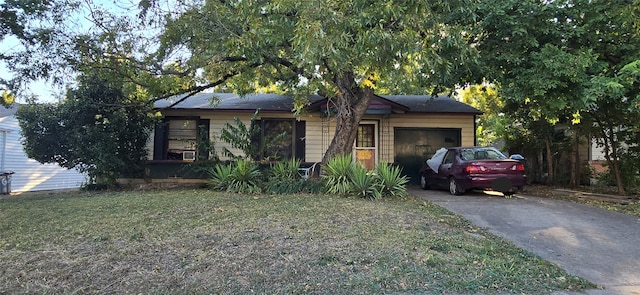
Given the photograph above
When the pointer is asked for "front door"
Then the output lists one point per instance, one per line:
(366, 152)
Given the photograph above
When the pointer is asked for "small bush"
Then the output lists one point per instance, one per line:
(391, 182)
(363, 184)
(337, 173)
(294, 186)
(246, 178)
(243, 176)
(347, 178)
(221, 176)
(285, 170)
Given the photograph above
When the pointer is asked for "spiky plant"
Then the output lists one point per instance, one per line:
(390, 180)
(363, 183)
(245, 177)
(337, 172)
(221, 176)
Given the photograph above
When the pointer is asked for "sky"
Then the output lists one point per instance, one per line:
(45, 91)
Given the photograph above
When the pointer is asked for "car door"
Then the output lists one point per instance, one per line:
(445, 168)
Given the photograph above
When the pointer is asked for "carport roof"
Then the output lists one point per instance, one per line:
(284, 103)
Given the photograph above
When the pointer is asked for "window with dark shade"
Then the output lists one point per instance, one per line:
(366, 136)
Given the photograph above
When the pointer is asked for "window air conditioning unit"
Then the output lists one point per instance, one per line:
(189, 155)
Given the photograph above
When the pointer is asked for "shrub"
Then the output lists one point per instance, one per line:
(363, 184)
(391, 182)
(221, 176)
(345, 177)
(337, 172)
(294, 186)
(243, 176)
(285, 170)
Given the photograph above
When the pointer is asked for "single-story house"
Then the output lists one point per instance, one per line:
(400, 129)
(29, 174)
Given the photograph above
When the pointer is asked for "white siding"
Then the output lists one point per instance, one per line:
(29, 174)
(320, 131)
(597, 153)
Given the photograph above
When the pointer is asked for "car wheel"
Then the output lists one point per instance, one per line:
(423, 182)
(454, 188)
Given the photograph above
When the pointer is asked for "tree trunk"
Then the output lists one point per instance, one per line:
(574, 179)
(611, 155)
(351, 103)
(550, 176)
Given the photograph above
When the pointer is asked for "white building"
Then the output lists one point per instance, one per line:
(30, 175)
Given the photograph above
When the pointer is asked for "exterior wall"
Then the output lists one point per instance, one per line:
(597, 153)
(320, 131)
(29, 174)
(217, 122)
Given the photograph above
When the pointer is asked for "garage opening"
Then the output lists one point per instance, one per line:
(413, 146)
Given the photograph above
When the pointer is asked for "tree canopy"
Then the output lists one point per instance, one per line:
(97, 129)
(552, 62)
(344, 50)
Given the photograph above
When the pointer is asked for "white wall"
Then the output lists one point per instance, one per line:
(29, 174)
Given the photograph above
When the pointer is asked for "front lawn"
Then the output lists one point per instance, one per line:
(200, 241)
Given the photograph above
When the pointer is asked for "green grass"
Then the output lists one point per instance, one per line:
(199, 241)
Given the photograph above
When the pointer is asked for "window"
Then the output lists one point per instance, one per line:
(450, 157)
(178, 138)
(182, 135)
(278, 139)
(366, 136)
(281, 139)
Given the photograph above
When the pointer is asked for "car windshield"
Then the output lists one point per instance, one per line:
(481, 154)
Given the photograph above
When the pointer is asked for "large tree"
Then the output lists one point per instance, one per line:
(526, 52)
(97, 129)
(344, 50)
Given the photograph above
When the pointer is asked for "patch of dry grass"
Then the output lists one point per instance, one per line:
(632, 208)
(199, 241)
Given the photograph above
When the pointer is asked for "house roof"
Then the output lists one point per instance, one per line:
(432, 104)
(284, 103)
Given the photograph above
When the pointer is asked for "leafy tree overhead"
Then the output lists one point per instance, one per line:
(491, 125)
(525, 49)
(96, 129)
(344, 50)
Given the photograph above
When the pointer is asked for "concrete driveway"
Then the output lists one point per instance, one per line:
(598, 245)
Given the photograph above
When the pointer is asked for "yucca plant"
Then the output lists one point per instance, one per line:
(221, 176)
(363, 184)
(245, 177)
(337, 172)
(390, 180)
(285, 170)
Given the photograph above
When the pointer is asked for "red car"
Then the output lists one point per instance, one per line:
(463, 168)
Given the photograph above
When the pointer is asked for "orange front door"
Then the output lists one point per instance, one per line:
(365, 151)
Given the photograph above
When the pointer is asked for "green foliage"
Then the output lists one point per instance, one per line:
(7, 99)
(363, 184)
(246, 178)
(294, 186)
(391, 182)
(221, 176)
(285, 170)
(240, 136)
(346, 178)
(97, 129)
(337, 172)
(492, 124)
(242, 176)
(285, 179)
